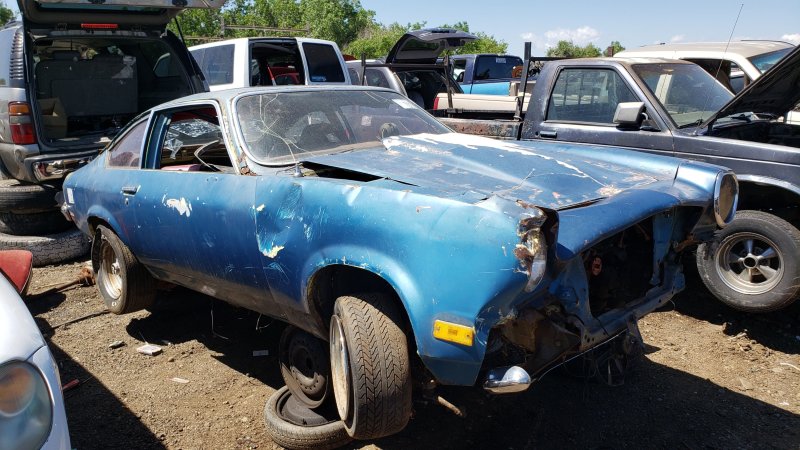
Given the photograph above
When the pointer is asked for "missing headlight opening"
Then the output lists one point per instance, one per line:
(619, 268)
(618, 271)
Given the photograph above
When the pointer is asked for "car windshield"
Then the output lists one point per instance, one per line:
(766, 60)
(286, 127)
(688, 93)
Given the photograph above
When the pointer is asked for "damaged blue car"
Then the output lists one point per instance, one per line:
(398, 251)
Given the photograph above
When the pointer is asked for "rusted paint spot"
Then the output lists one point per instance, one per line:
(608, 191)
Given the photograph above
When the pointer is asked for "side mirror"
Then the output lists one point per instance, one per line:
(629, 114)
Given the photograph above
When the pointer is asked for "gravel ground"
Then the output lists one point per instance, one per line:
(711, 378)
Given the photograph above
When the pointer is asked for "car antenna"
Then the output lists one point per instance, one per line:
(719, 67)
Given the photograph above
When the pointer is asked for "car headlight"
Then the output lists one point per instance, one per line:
(532, 249)
(26, 412)
(726, 197)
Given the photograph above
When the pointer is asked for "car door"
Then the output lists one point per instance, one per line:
(581, 106)
(194, 212)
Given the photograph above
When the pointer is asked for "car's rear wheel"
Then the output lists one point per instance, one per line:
(305, 366)
(124, 283)
(370, 366)
(293, 425)
(754, 263)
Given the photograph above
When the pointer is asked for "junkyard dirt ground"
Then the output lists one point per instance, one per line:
(711, 378)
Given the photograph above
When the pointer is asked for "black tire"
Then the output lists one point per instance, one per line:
(370, 370)
(49, 249)
(753, 264)
(288, 432)
(36, 223)
(124, 283)
(305, 366)
(19, 196)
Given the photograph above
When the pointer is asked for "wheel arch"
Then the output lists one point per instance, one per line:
(771, 195)
(335, 280)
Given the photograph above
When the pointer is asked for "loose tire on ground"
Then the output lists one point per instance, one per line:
(370, 368)
(49, 249)
(125, 284)
(305, 366)
(753, 264)
(33, 224)
(286, 430)
(18, 196)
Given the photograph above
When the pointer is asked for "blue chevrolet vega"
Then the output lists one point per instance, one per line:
(395, 248)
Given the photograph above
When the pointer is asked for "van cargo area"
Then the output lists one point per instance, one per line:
(86, 88)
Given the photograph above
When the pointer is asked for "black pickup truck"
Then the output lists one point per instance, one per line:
(676, 108)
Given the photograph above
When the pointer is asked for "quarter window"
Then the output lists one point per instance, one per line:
(216, 63)
(125, 153)
(323, 64)
(587, 95)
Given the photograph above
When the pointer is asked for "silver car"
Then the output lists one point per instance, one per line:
(31, 405)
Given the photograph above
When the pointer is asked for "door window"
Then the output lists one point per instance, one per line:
(193, 142)
(587, 95)
(125, 153)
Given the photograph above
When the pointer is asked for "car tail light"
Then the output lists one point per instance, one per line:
(435, 103)
(19, 117)
(99, 26)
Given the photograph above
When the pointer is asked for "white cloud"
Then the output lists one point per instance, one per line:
(793, 38)
(580, 36)
(677, 38)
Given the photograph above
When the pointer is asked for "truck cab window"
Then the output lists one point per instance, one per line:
(587, 95)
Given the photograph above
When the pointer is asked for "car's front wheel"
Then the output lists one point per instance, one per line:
(370, 366)
(124, 283)
(754, 263)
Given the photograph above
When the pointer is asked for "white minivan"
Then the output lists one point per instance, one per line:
(270, 61)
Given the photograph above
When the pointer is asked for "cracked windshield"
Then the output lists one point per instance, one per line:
(284, 127)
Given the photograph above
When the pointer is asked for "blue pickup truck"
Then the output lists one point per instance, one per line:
(484, 74)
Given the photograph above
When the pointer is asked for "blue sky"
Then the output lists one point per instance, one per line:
(633, 23)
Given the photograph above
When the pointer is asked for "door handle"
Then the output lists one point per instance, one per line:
(548, 134)
(130, 190)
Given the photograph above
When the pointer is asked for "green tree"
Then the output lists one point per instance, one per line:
(377, 40)
(338, 20)
(6, 14)
(568, 49)
(484, 44)
(614, 48)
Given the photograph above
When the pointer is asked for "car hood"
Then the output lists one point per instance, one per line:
(19, 335)
(776, 92)
(424, 46)
(473, 168)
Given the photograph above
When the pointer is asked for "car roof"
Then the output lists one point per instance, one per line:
(262, 39)
(744, 48)
(225, 95)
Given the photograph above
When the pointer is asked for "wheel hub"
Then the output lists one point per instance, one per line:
(749, 263)
(340, 368)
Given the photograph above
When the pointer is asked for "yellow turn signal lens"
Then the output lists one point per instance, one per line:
(452, 332)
